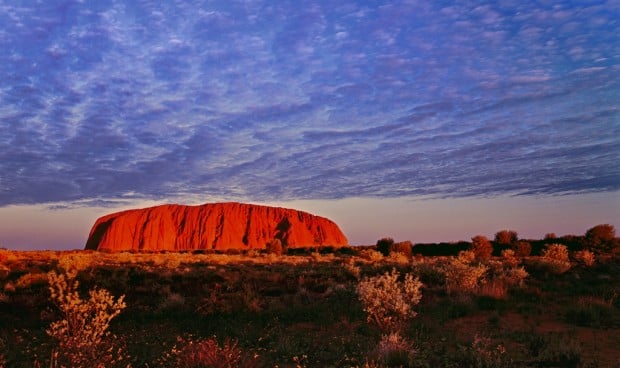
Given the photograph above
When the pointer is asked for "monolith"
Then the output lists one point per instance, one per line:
(217, 226)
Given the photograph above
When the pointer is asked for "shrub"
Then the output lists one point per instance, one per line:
(482, 353)
(555, 258)
(550, 236)
(322, 257)
(397, 257)
(76, 261)
(4, 272)
(481, 246)
(463, 274)
(31, 279)
(522, 249)
(430, 274)
(82, 334)
(556, 251)
(602, 237)
(352, 269)
(509, 258)
(207, 353)
(274, 246)
(506, 237)
(388, 301)
(585, 258)
(514, 276)
(384, 245)
(404, 247)
(502, 275)
(371, 255)
(509, 270)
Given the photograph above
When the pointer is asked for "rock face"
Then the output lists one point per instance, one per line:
(217, 226)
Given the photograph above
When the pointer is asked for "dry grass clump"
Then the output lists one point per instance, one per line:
(483, 353)
(591, 311)
(499, 281)
(171, 300)
(394, 350)
(190, 352)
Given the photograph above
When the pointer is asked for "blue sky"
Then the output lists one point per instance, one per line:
(408, 104)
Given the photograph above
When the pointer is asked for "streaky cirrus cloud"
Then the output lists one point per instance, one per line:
(269, 100)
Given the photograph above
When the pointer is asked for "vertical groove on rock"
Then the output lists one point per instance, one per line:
(248, 223)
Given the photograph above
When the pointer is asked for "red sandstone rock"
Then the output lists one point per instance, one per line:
(211, 226)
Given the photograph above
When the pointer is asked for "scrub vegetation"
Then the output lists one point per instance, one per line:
(484, 303)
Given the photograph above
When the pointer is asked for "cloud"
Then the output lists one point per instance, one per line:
(262, 101)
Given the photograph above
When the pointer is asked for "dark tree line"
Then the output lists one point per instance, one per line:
(599, 239)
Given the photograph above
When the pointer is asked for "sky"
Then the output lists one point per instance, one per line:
(420, 120)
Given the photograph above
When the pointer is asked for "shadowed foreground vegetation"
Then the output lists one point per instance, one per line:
(353, 307)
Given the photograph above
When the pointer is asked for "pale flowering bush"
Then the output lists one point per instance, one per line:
(555, 258)
(585, 257)
(556, 251)
(388, 301)
(82, 335)
(464, 273)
